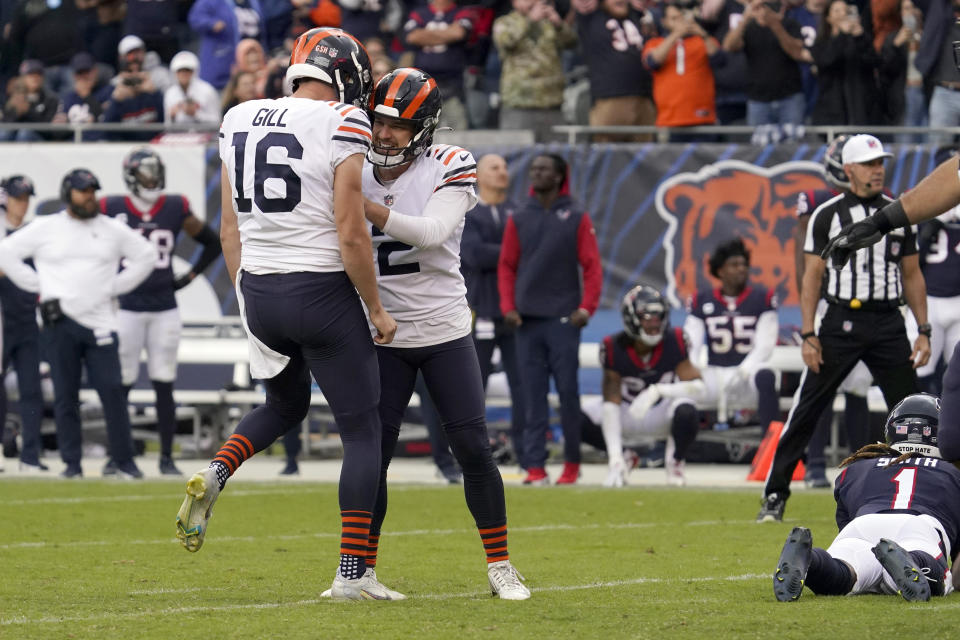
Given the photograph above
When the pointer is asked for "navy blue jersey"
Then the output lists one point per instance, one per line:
(731, 323)
(807, 201)
(918, 485)
(160, 225)
(444, 62)
(618, 353)
(940, 256)
(19, 306)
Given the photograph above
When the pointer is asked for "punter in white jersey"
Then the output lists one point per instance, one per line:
(416, 196)
(297, 247)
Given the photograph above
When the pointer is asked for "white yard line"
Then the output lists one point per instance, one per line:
(23, 621)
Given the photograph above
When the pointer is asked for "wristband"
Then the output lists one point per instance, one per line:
(890, 217)
(808, 334)
(925, 329)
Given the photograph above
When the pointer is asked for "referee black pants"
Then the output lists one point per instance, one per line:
(846, 336)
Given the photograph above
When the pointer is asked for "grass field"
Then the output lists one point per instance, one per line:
(98, 559)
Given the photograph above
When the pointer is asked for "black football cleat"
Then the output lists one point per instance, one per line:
(772, 508)
(792, 567)
(911, 583)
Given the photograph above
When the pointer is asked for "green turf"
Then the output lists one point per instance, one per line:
(98, 559)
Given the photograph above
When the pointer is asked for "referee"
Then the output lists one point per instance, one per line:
(863, 319)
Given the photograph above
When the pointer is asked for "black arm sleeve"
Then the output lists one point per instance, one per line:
(211, 249)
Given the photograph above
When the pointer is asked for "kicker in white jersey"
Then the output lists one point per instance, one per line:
(281, 154)
(422, 287)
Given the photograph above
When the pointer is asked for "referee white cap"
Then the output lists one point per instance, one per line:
(863, 148)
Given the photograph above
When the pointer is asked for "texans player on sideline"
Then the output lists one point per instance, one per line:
(646, 361)
(416, 196)
(148, 317)
(939, 241)
(897, 516)
(297, 247)
(738, 322)
(856, 385)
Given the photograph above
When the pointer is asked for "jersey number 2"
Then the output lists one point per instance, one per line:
(263, 171)
(384, 249)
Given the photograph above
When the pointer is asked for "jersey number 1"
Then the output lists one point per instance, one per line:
(906, 482)
(263, 171)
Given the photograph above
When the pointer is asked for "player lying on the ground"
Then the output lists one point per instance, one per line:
(897, 515)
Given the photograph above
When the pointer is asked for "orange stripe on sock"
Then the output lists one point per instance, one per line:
(353, 530)
(230, 464)
(493, 530)
(356, 520)
(242, 439)
(487, 541)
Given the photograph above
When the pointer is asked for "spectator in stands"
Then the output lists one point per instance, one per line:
(30, 102)
(438, 34)
(104, 27)
(157, 22)
(242, 87)
(935, 62)
(381, 67)
(530, 40)
(546, 243)
(21, 335)
(134, 99)
(364, 19)
(218, 24)
(846, 68)
(249, 58)
(682, 68)
(719, 17)
(621, 90)
(82, 104)
(772, 44)
(736, 325)
(807, 15)
(77, 255)
(276, 74)
(133, 52)
(190, 99)
(898, 68)
(885, 19)
(277, 22)
(649, 389)
(479, 255)
(44, 31)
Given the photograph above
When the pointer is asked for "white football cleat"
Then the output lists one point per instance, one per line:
(675, 472)
(372, 574)
(505, 581)
(366, 587)
(202, 491)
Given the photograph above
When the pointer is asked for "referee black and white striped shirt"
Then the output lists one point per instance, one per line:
(873, 273)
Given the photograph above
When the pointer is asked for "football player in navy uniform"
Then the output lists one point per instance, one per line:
(855, 386)
(939, 241)
(416, 195)
(21, 334)
(739, 325)
(897, 515)
(148, 317)
(648, 388)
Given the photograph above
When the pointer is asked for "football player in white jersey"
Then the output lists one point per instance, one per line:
(416, 195)
(298, 250)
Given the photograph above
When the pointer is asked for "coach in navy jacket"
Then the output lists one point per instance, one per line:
(546, 243)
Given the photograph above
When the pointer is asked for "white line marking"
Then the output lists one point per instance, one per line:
(23, 620)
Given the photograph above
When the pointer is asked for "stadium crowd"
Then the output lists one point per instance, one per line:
(777, 65)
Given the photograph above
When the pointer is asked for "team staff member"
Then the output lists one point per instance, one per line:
(21, 335)
(545, 245)
(479, 254)
(77, 255)
(863, 320)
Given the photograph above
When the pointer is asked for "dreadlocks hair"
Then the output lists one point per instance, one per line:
(877, 450)
(726, 251)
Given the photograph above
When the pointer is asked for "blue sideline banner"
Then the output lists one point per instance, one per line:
(659, 210)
